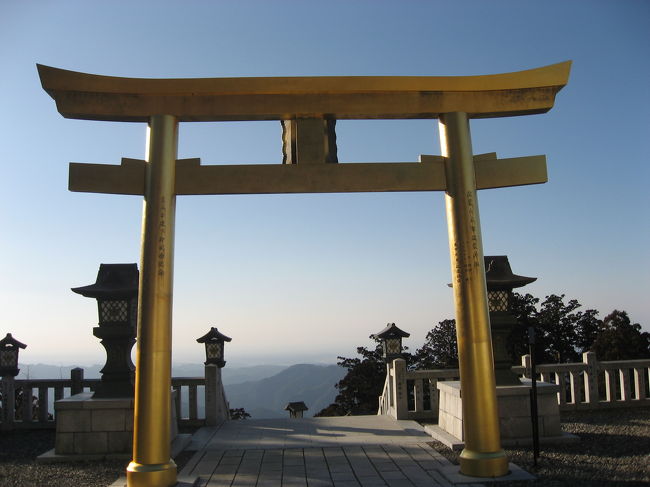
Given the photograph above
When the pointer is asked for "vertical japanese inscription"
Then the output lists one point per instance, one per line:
(162, 232)
(466, 254)
(474, 264)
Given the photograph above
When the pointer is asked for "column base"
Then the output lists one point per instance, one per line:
(483, 464)
(151, 475)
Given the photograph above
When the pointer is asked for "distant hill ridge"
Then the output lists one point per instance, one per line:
(266, 398)
(230, 375)
(263, 390)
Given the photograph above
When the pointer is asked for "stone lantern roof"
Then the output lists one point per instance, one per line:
(498, 274)
(391, 331)
(10, 342)
(113, 280)
(213, 335)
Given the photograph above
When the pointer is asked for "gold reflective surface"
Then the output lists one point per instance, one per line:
(193, 178)
(482, 456)
(94, 97)
(152, 464)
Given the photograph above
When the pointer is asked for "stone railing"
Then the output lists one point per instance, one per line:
(586, 385)
(205, 391)
(28, 403)
(412, 394)
(591, 384)
(38, 410)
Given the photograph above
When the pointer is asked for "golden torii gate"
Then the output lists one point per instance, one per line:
(308, 108)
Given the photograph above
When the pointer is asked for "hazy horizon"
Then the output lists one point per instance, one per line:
(233, 362)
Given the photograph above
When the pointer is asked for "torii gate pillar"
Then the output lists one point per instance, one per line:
(482, 455)
(151, 464)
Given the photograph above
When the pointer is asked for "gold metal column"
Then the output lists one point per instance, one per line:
(151, 465)
(482, 456)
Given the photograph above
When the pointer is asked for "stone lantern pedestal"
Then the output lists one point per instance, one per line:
(99, 424)
(89, 428)
(513, 394)
(514, 414)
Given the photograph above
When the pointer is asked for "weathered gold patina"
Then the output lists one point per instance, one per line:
(308, 108)
(92, 97)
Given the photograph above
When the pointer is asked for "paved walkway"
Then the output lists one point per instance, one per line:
(359, 451)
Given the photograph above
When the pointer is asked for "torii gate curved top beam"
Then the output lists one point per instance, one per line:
(93, 97)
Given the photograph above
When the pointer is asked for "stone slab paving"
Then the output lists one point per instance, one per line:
(413, 465)
(359, 451)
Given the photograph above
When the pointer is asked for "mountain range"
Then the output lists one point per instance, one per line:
(262, 390)
(267, 398)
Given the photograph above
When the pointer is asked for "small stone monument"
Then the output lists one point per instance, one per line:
(296, 409)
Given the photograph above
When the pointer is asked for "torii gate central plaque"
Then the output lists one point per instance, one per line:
(308, 109)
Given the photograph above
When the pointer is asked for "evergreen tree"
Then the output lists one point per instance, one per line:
(440, 350)
(562, 332)
(361, 387)
(620, 339)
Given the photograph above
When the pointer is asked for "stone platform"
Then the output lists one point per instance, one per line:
(514, 415)
(93, 429)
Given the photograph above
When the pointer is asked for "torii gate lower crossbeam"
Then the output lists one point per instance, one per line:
(308, 108)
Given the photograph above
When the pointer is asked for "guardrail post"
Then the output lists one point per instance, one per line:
(432, 384)
(418, 392)
(591, 378)
(216, 407)
(526, 362)
(624, 377)
(391, 390)
(28, 402)
(8, 403)
(77, 378)
(639, 384)
(399, 388)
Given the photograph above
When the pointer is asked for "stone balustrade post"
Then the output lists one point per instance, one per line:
(77, 378)
(399, 389)
(390, 391)
(8, 402)
(526, 361)
(591, 378)
(216, 406)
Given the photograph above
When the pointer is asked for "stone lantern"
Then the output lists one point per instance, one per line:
(116, 292)
(214, 341)
(391, 341)
(9, 348)
(500, 282)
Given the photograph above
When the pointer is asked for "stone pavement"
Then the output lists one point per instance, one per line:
(350, 451)
(359, 451)
(412, 465)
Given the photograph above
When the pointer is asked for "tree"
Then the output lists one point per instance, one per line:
(620, 339)
(238, 413)
(562, 332)
(440, 350)
(588, 326)
(361, 386)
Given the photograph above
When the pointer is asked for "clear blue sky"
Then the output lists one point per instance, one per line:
(314, 275)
